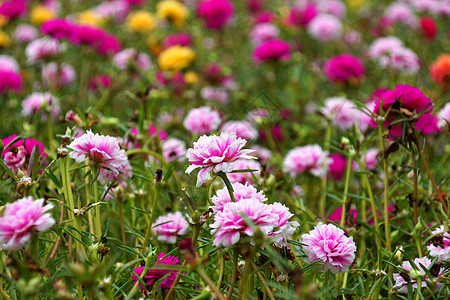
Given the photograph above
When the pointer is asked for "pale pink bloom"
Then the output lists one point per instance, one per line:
(215, 154)
(332, 7)
(212, 93)
(371, 158)
(241, 192)
(174, 149)
(284, 228)
(341, 112)
(383, 45)
(130, 57)
(262, 153)
(402, 13)
(125, 172)
(329, 245)
(352, 37)
(202, 120)
(169, 227)
(325, 28)
(297, 191)
(365, 119)
(243, 129)
(263, 32)
(245, 177)
(42, 48)
(21, 219)
(63, 74)
(25, 33)
(116, 9)
(442, 252)
(39, 103)
(257, 115)
(103, 150)
(8, 63)
(229, 225)
(310, 158)
(444, 116)
(403, 60)
(401, 285)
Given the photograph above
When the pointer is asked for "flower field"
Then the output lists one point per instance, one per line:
(221, 149)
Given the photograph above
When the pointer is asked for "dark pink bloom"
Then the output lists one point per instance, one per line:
(18, 155)
(271, 51)
(264, 17)
(175, 82)
(13, 8)
(58, 28)
(301, 16)
(337, 166)
(336, 215)
(10, 81)
(153, 275)
(255, 5)
(213, 72)
(181, 39)
(343, 68)
(429, 28)
(153, 131)
(103, 42)
(100, 81)
(216, 13)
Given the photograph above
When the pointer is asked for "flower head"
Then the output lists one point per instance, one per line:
(341, 112)
(241, 192)
(401, 285)
(212, 93)
(202, 120)
(41, 102)
(440, 70)
(272, 50)
(63, 74)
(245, 177)
(141, 21)
(20, 219)
(176, 58)
(310, 158)
(243, 129)
(283, 228)
(444, 116)
(263, 32)
(130, 57)
(344, 68)
(174, 149)
(42, 48)
(173, 11)
(441, 249)
(10, 81)
(215, 154)
(18, 155)
(302, 15)
(216, 13)
(328, 244)
(25, 33)
(325, 27)
(169, 227)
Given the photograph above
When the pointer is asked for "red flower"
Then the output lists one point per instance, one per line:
(429, 28)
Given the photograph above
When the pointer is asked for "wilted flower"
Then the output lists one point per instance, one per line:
(310, 158)
(328, 244)
(216, 154)
(325, 27)
(169, 227)
(284, 228)
(18, 155)
(41, 102)
(243, 129)
(272, 50)
(20, 219)
(344, 68)
(241, 192)
(174, 149)
(202, 120)
(216, 13)
(441, 250)
(401, 285)
(245, 177)
(63, 74)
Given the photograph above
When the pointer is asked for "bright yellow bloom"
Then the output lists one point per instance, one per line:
(90, 17)
(173, 11)
(176, 58)
(39, 14)
(191, 77)
(141, 21)
(5, 40)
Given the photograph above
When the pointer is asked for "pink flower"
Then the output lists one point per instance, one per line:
(125, 172)
(264, 17)
(243, 129)
(212, 93)
(245, 177)
(153, 275)
(442, 250)
(229, 225)
(174, 149)
(10, 81)
(402, 13)
(104, 150)
(181, 39)
(384, 45)
(325, 27)
(328, 244)
(337, 166)
(342, 112)
(332, 7)
(272, 50)
(18, 155)
(25, 33)
(169, 227)
(336, 215)
(40, 103)
(310, 158)
(401, 285)
(444, 116)
(8, 63)
(371, 158)
(131, 58)
(215, 154)
(262, 153)
(20, 219)
(202, 120)
(100, 81)
(58, 28)
(42, 48)
(406, 97)
(216, 13)
(241, 192)
(365, 116)
(302, 15)
(344, 68)
(283, 228)
(116, 9)
(103, 42)
(13, 8)
(52, 74)
(263, 32)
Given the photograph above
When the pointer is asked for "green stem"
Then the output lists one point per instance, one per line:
(244, 284)
(228, 185)
(152, 217)
(98, 224)
(415, 200)
(122, 227)
(347, 183)
(199, 270)
(50, 133)
(233, 274)
(221, 271)
(263, 282)
(386, 190)
(323, 198)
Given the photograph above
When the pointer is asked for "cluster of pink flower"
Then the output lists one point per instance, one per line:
(10, 78)
(17, 155)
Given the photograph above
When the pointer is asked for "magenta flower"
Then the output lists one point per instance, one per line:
(181, 39)
(216, 13)
(18, 155)
(100, 81)
(169, 227)
(371, 158)
(229, 225)
(10, 81)
(202, 120)
(103, 150)
(58, 28)
(310, 158)
(440, 250)
(20, 219)
(401, 285)
(245, 177)
(153, 275)
(243, 129)
(103, 42)
(174, 149)
(283, 228)
(341, 112)
(272, 50)
(404, 97)
(325, 27)
(13, 8)
(336, 215)
(216, 154)
(337, 166)
(41, 103)
(328, 244)
(344, 68)
(302, 15)
(241, 192)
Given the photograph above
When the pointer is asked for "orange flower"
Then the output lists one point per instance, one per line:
(440, 70)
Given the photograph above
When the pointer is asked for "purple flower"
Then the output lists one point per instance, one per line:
(401, 285)
(174, 149)
(440, 250)
(202, 120)
(325, 27)
(216, 13)
(310, 158)
(344, 68)
(169, 227)
(272, 50)
(20, 219)
(328, 244)
(241, 192)
(215, 154)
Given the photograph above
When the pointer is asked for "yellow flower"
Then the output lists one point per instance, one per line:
(173, 11)
(90, 17)
(4, 39)
(191, 77)
(39, 14)
(176, 58)
(141, 21)
(3, 20)
(354, 4)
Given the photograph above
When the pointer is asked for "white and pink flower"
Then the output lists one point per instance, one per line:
(325, 27)
(174, 149)
(169, 227)
(243, 129)
(202, 120)
(41, 103)
(310, 158)
(401, 285)
(241, 192)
